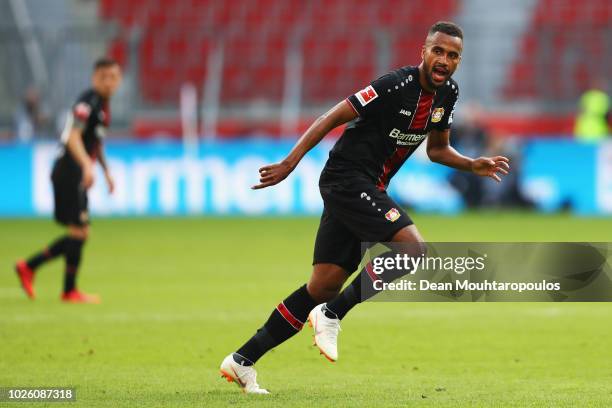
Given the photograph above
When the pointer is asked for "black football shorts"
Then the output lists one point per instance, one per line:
(353, 214)
(69, 195)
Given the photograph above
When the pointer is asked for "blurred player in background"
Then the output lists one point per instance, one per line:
(387, 121)
(593, 121)
(73, 175)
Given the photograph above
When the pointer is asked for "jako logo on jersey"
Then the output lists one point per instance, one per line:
(366, 95)
(392, 215)
(405, 112)
(406, 138)
(437, 114)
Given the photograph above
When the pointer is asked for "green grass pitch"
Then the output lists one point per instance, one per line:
(179, 294)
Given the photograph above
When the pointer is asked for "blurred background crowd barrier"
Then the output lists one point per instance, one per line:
(166, 178)
(213, 88)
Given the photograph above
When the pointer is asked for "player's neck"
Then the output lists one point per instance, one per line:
(104, 98)
(423, 81)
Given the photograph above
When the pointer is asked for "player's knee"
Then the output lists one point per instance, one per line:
(79, 232)
(413, 242)
(412, 249)
(419, 248)
(326, 282)
(408, 242)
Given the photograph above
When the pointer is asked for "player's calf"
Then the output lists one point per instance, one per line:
(286, 320)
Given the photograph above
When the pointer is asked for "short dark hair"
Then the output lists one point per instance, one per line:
(104, 62)
(446, 27)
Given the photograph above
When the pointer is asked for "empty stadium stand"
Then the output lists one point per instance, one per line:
(564, 51)
(338, 52)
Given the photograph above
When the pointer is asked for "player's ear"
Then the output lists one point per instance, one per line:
(423, 52)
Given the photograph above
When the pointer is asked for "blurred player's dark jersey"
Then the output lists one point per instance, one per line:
(91, 114)
(395, 115)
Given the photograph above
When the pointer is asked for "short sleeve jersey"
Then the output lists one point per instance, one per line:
(91, 114)
(395, 115)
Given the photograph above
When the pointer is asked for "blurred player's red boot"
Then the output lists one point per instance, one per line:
(26, 277)
(74, 296)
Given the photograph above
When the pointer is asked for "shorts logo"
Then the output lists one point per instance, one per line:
(392, 215)
(437, 114)
(366, 95)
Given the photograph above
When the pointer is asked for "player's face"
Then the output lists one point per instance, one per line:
(441, 55)
(106, 80)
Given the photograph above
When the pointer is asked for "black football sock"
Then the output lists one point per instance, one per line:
(56, 248)
(73, 251)
(284, 322)
(354, 294)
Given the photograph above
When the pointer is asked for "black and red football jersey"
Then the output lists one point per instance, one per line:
(91, 114)
(395, 115)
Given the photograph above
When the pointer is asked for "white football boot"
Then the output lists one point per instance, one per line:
(325, 332)
(244, 376)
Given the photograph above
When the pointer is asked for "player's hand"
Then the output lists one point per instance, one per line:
(88, 176)
(110, 182)
(491, 167)
(273, 174)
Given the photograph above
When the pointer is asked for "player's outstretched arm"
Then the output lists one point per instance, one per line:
(272, 174)
(440, 151)
(77, 151)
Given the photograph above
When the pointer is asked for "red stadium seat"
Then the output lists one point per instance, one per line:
(339, 55)
(562, 35)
